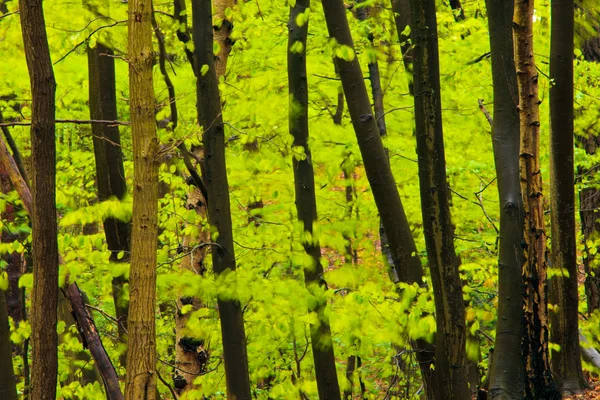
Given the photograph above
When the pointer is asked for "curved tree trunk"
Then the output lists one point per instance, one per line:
(506, 371)
(140, 381)
(539, 383)
(450, 355)
(306, 204)
(219, 212)
(566, 363)
(44, 338)
(406, 263)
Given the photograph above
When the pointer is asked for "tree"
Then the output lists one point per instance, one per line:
(219, 212)
(306, 204)
(566, 362)
(506, 374)
(406, 262)
(43, 213)
(538, 377)
(450, 355)
(140, 381)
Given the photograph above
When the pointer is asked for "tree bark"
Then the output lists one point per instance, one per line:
(8, 388)
(110, 173)
(506, 372)
(306, 205)
(450, 355)
(219, 212)
(44, 302)
(222, 33)
(140, 381)
(539, 383)
(566, 363)
(406, 263)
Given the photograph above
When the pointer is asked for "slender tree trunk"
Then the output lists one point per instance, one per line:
(219, 212)
(459, 13)
(566, 363)
(44, 338)
(450, 355)
(539, 383)
(110, 173)
(140, 381)
(306, 205)
(406, 263)
(401, 9)
(506, 371)
(8, 388)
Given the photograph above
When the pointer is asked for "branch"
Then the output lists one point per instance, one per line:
(73, 121)
(15, 150)
(185, 154)
(485, 111)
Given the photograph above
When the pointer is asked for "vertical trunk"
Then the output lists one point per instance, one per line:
(401, 9)
(8, 388)
(566, 363)
(43, 213)
(539, 383)
(306, 205)
(339, 109)
(222, 33)
(219, 212)
(406, 263)
(450, 355)
(506, 372)
(140, 382)
(110, 174)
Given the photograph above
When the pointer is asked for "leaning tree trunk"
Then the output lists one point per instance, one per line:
(406, 263)
(450, 355)
(44, 246)
(566, 363)
(140, 381)
(219, 212)
(110, 173)
(506, 374)
(539, 383)
(306, 204)
(459, 13)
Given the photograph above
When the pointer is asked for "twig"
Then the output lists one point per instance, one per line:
(485, 111)
(167, 385)
(9, 14)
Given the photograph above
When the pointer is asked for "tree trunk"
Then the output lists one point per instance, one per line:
(306, 205)
(219, 212)
(222, 32)
(459, 13)
(539, 383)
(566, 363)
(44, 302)
(140, 381)
(110, 174)
(406, 263)
(450, 355)
(506, 372)
(8, 388)
(401, 9)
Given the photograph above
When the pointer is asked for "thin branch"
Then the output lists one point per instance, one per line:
(485, 111)
(166, 384)
(9, 14)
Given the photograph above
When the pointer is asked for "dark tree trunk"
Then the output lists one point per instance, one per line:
(8, 388)
(44, 302)
(306, 205)
(539, 383)
(459, 13)
(110, 174)
(566, 363)
(506, 372)
(140, 381)
(219, 213)
(406, 263)
(450, 355)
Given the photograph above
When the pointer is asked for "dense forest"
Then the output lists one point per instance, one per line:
(349, 199)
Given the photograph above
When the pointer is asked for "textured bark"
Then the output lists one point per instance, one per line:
(222, 33)
(140, 381)
(8, 388)
(406, 263)
(566, 363)
(110, 174)
(539, 383)
(44, 302)
(219, 211)
(450, 355)
(306, 204)
(506, 372)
